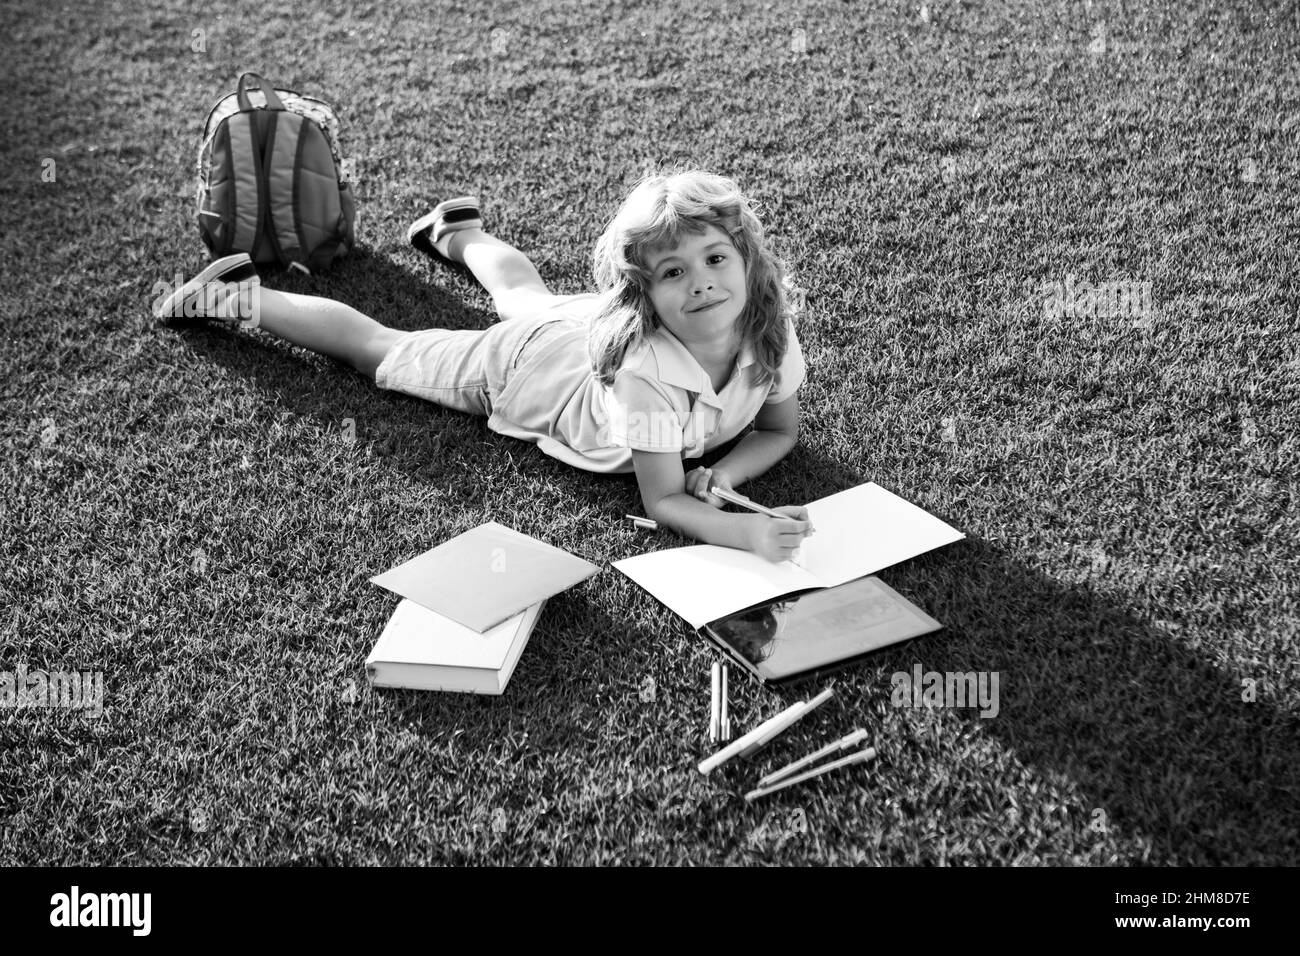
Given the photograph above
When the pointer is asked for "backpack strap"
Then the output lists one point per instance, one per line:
(344, 233)
(245, 206)
(262, 124)
(279, 184)
(273, 101)
(287, 195)
(323, 255)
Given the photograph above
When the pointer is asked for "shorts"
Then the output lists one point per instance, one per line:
(465, 369)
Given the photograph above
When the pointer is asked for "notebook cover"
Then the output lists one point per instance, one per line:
(811, 632)
(485, 576)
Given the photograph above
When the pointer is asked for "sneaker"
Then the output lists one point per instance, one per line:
(447, 217)
(226, 290)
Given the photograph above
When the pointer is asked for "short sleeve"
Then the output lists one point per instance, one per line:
(790, 374)
(642, 416)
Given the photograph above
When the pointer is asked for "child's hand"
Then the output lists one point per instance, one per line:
(776, 539)
(700, 480)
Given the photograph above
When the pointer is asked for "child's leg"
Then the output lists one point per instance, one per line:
(329, 327)
(516, 286)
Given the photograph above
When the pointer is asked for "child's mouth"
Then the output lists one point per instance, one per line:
(711, 305)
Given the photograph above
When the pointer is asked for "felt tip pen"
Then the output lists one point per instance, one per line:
(715, 711)
(779, 722)
(807, 707)
(862, 756)
(724, 717)
(763, 733)
(844, 743)
(738, 499)
(645, 524)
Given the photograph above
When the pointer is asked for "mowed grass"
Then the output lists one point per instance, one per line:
(183, 510)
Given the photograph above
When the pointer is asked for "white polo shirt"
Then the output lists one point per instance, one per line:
(662, 399)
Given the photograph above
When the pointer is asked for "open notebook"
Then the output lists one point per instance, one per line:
(859, 532)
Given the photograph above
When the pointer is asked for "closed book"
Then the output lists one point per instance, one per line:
(423, 650)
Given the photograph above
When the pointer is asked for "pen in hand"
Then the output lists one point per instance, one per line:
(739, 499)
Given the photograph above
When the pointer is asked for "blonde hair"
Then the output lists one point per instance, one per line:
(655, 215)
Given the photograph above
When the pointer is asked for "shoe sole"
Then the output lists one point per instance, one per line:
(449, 216)
(236, 268)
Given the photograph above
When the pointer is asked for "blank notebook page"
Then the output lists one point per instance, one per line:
(866, 529)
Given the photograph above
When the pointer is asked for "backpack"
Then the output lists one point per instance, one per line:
(269, 180)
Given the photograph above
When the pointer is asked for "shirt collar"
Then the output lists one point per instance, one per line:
(677, 366)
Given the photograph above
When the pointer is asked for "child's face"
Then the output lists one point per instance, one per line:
(698, 288)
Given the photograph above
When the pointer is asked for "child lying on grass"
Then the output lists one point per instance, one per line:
(689, 339)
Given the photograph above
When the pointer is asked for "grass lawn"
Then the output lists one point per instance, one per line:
(183, 511)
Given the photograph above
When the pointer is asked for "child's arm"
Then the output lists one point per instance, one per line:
(776, 430)
(663, 492)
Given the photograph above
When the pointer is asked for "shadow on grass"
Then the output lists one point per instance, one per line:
(1159, 738)
(1155, 735)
